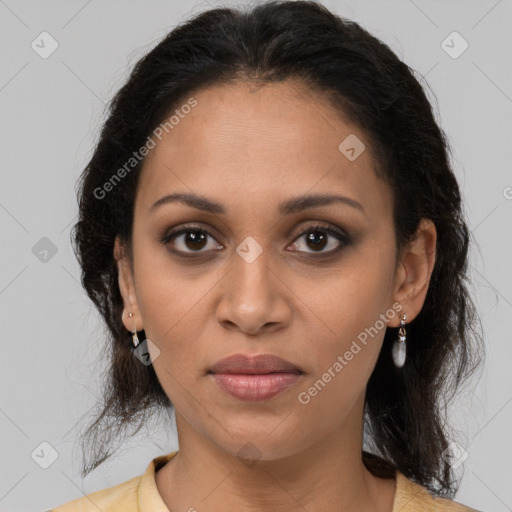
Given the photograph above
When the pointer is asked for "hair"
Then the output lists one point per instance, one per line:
(301, 42)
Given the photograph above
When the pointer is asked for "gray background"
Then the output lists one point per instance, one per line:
(51, 112)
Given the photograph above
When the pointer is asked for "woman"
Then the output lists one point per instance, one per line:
(272, 231)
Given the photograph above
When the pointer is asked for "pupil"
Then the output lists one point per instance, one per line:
(195, 237)
(313, 237)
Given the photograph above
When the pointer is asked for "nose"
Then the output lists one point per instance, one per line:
(254, 298)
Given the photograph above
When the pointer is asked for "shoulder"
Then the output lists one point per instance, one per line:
(412, 497)
(120, 498)
(124, 497)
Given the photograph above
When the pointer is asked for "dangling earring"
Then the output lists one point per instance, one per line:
(135, 338)
(398, 349)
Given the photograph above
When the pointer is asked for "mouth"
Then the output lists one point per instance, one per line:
(255, 378)
(254, 365)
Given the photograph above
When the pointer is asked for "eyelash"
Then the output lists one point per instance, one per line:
(337, 233)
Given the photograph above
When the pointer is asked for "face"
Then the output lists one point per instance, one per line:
(251, 277)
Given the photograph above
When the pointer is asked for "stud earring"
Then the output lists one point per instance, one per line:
(399, 345)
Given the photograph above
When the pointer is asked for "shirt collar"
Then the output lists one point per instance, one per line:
(148, 498)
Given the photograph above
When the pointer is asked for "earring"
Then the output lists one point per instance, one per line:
(399, 345)
(135, 338)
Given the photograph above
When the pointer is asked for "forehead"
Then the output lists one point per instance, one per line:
(247, 143)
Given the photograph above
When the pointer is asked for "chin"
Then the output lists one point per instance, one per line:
(262, 444)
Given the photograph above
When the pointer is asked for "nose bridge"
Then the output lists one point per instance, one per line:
(252, 296)
(253, 278)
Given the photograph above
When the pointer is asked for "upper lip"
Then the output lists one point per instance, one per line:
(255, 364)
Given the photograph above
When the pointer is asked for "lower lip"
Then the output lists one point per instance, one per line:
(252, 388)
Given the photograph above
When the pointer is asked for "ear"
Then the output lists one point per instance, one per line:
(127, 288)
(415, 268)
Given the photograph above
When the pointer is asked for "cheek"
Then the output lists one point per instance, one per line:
(349, 323)
(351, 299)
(169, 295)
(173, 311)
(342, 364)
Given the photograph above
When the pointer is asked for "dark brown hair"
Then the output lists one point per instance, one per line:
(405, 408)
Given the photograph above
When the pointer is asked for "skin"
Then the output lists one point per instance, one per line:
(249, 148)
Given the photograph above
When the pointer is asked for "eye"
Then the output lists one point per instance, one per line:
(317, 237)
(194, 240)
(189, 239)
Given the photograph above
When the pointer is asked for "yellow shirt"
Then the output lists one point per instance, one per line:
(140, 494)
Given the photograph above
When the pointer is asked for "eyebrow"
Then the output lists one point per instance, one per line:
(293, 205)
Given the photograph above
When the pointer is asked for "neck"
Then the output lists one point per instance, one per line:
(327, 475)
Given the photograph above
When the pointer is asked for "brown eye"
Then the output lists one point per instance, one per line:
(189, 240)
(318, 237)
(195, 240)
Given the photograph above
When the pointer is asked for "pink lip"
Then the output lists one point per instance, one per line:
(254, 378)
(252, 388)
(256, 364)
